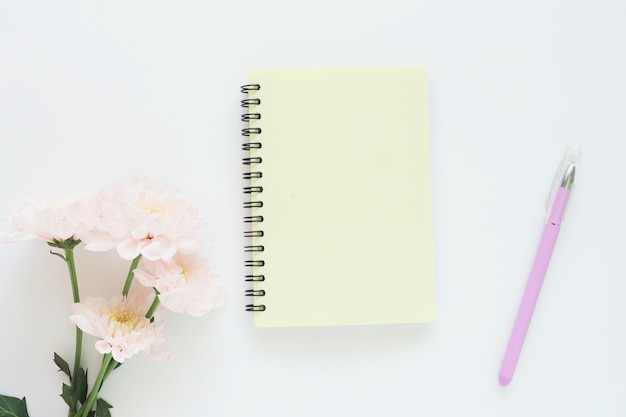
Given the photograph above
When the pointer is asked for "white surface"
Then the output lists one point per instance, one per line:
(93, 92)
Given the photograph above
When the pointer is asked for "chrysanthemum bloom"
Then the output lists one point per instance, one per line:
(120, 324)
(186, 283)
(53, 219)
(145, 218)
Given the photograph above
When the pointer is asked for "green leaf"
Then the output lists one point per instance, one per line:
(68, 396)
(77, 393)
(62, 364)
(12, 407)
(81, 385)
(102, 408)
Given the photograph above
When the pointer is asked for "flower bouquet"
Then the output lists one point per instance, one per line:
(154, 228)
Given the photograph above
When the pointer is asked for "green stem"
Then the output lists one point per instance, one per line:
(131, 274)
(78, 352)
(110, 369)
(93, 395)
(154, 306)
(71, 266)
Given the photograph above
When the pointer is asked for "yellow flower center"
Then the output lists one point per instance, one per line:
(125, 318)
(185, 274)
(151, 210)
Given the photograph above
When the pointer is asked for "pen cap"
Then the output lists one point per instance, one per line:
(565, 174)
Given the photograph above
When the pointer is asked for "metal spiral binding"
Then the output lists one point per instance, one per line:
(253, 174)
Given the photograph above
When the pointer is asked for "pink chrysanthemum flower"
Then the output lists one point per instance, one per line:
(145, 218)
(53, 219)
(186, 283)
(120, 324)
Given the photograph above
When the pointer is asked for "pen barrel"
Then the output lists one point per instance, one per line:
(558, 206)
(533, 286)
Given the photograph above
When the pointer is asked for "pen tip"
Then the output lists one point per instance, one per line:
(504, 380)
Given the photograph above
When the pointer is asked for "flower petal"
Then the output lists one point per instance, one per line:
(128, 249)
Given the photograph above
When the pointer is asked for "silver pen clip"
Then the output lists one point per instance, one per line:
(565, 174)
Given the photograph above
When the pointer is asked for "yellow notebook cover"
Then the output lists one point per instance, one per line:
(340, 198)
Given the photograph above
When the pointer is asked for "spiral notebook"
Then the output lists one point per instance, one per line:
(338, 187)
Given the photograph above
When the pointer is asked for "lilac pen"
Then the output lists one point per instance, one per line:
(557, 202)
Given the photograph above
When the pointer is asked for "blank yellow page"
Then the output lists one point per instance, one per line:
(347, 209)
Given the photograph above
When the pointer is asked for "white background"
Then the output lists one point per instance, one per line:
(93, 92)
